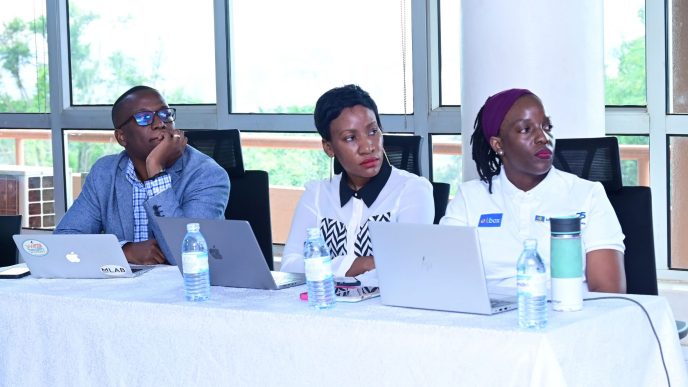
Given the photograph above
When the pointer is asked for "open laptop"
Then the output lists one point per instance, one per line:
(433, 267)
(234, 257)
(75, 256)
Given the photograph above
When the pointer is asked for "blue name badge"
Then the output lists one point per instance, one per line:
(490, 220)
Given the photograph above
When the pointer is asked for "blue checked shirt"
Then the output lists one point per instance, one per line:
(141, 192)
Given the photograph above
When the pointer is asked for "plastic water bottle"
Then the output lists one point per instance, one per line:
(319, 278)
(195, 264)
(531, 278)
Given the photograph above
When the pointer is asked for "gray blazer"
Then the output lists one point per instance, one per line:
(200, 189)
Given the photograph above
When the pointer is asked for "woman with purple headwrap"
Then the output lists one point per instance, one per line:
(519, 190)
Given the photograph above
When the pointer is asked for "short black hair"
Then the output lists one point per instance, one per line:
(117, 105)
(331, 104)
(486, 159)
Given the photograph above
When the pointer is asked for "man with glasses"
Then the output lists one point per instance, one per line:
(157, 174)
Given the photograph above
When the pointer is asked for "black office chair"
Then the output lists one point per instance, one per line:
(249, 199)
(440, 193)
(9, 225)
(249, 195)
(595, 159)
(633, 206)
(223, 145)
(598, 159)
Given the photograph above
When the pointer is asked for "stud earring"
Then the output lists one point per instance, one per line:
(500, 153)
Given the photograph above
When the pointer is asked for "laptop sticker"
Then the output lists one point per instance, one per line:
(35, 247)
(113, 270)
(490, 220)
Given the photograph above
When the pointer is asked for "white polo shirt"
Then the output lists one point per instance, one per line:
(508, 216)
(342, 215)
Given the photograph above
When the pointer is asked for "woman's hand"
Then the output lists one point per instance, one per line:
(361, 265)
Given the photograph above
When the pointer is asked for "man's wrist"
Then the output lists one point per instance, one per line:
(155, 176)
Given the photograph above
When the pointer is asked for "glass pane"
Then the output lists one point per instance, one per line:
(678, 201)
(447, 164)
(84, 147)
(291, 160)
(678, 57)
(26, 183)
(320, 45)
(624, 52)
(450, 52)
(23, 58)
(635, 160)
(167, 44)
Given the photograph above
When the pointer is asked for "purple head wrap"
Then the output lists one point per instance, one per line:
(495, 110)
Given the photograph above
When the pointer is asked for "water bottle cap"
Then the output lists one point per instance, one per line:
(565, 225)
(193, 227)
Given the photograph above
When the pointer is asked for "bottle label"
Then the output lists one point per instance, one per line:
(533, 285)
(318, 268)
(195, 262)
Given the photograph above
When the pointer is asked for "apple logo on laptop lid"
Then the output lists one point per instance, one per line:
(73, 257)
(215, 252)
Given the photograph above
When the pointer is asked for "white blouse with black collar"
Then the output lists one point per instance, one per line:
(343, 215)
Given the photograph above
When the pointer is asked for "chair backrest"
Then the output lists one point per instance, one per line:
(440, 194)
(598, 159)
(223, 145)
(402, 152)
(9, 225)
(249, 199)
(633, 206)
(595, 159)
(249, 195)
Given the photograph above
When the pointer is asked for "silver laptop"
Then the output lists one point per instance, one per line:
(234, 257)
(433, 267)
(75, 256)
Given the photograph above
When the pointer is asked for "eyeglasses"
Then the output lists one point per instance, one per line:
(145, 118)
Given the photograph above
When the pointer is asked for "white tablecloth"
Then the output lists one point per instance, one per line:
(141, 332)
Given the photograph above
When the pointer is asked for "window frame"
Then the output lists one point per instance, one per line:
(428, 117)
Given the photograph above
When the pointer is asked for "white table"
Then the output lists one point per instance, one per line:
(141, 332)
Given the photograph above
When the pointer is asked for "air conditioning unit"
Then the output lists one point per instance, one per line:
(28, 191)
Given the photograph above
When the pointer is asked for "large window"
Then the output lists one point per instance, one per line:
(23, 58)
(26, 176)
(115, 45)
(447, 160)
(635, 160)
(283, 59)
(624, 56)
(291, 160)
(84, 147)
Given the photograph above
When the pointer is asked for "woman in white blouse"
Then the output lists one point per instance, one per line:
(368, 189)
